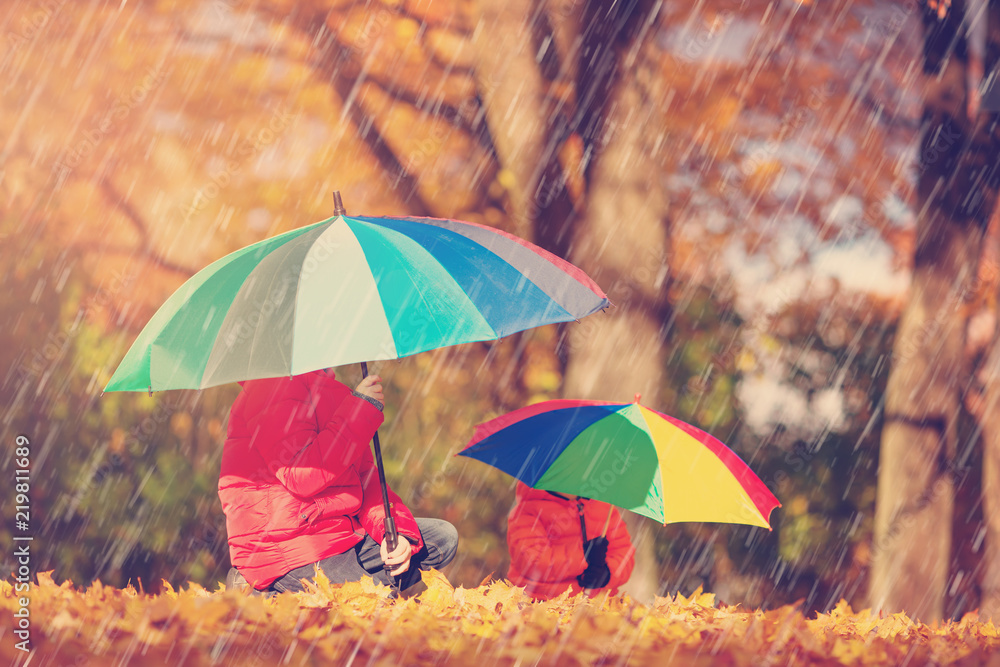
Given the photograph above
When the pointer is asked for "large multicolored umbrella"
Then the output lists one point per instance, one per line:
(626, 455)
(351, 289)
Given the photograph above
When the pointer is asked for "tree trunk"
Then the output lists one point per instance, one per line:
(621, 241)
(988, 132)
(512, 90)
(915, 489)
(989, 606)
(912, 542)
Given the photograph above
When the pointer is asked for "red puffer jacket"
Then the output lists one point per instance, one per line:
(546, 543)
(298, 481)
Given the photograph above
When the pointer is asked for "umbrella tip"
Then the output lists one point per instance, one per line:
(637, 398)
(338, 204)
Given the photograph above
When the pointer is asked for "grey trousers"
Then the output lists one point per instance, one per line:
(364, 560)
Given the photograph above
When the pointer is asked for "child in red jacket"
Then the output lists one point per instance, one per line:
(560, 542)
(299, 488)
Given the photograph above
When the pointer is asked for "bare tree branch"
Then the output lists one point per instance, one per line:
(146, 249)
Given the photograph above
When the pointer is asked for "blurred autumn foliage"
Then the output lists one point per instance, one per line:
(494, 624)
(147, 140)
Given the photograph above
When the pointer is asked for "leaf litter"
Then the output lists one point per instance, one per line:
(361, 623)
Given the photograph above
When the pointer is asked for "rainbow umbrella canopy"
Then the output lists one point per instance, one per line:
(626, 455)
(351, 289)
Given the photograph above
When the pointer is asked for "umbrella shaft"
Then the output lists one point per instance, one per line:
(391, 537)
(390, 525)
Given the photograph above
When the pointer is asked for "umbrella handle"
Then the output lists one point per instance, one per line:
(391, 536)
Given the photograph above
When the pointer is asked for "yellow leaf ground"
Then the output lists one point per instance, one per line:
(495, 624)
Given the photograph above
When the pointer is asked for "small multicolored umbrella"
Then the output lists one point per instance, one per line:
(626, 455)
